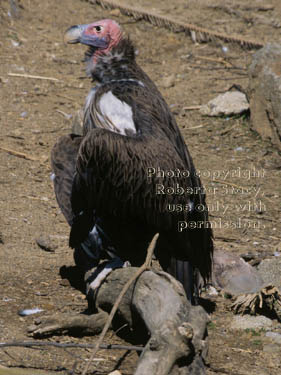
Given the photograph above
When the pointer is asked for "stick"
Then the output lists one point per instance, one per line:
(212, 59)
(225, 131)
(31, 76)
(232, 78)
(31, 344)
(192, 107)
(143, 268)
(194, 127)
(65, 115)
(227, 183)
(19, 154)
(226, 239)
(67, 97)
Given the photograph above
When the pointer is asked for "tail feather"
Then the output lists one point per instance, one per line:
(184, 273)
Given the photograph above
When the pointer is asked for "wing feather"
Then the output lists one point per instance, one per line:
(118, 183)
(63, 161)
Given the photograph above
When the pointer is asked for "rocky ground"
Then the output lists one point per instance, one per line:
(241, 172)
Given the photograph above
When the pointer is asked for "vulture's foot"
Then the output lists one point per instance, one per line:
(95, 279)
(66, 323)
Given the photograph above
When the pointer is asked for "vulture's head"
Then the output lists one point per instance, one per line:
(101, 36)
(109, 53)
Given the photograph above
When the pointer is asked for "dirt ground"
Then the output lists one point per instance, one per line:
(244, 201)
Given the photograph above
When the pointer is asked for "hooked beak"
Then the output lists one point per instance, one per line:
(79, 34)
(74, 33)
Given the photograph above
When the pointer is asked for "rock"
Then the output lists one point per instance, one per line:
(232, 274)
(45, 243)
(277, 252)
(278, 247)
(168, 82)
(211, 291)
(239, 148)
(14, 9)
(276, 337)
(271, 348)
(77, 124)
(265, 93)
(270, 271)
(227, 104)
(115, 12)
(250, 322)
(116, 372)
(26, 312)
(65, 282)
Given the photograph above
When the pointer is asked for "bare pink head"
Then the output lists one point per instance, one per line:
(102, 35)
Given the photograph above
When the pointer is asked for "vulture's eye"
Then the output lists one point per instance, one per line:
(98, 28)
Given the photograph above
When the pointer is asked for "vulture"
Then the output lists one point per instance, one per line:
(130, 174)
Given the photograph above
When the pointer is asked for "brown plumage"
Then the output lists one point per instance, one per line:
(63, 158)
(128, 129)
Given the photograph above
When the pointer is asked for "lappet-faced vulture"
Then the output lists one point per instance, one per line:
(130, 175)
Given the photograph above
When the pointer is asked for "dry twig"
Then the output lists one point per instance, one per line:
(225, 131)
(213, 59)
(32, 344)
(67, 97)
(19, 154)
(33, 77)
(143, 268)
(194, 127)
(65, 115)
(191, 108)
(226, 183)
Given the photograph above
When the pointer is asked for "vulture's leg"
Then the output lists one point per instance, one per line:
(97, 246)
(96, 278)
(184, 273)
(88, 254)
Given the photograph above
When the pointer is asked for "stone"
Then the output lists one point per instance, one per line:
(274, 336)
(227, 104)
(45, 243)
(270, 271)
(168, 82)
(250, 322)
(272, 348)
(77, 124)
(233, 275)
(115, 12)
(264, 93)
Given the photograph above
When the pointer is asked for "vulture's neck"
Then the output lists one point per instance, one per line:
(118, 64)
